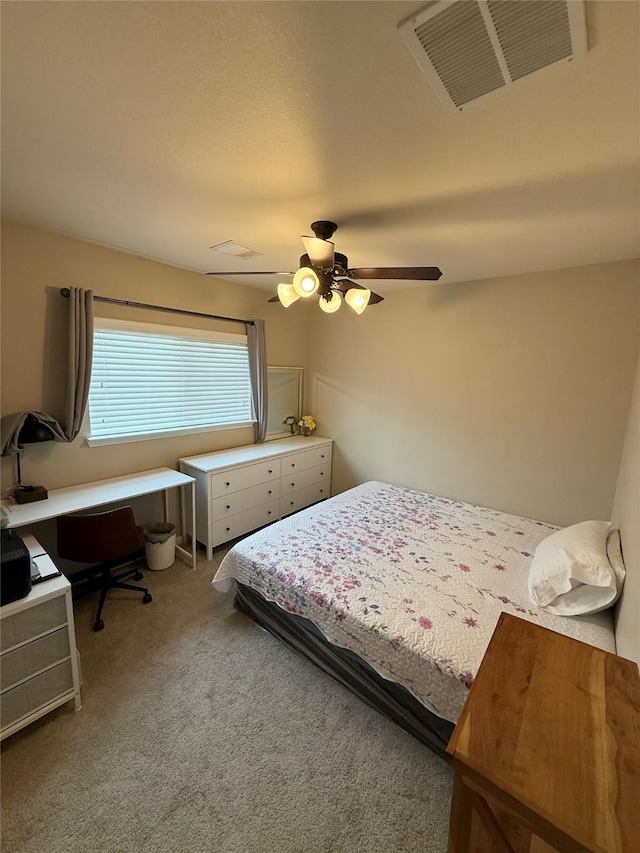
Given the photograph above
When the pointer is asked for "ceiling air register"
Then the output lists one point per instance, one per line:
(471, 48)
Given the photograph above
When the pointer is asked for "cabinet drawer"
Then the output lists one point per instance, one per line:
(243, 522)
(304, 497)
(303, 479)
(32, 657)
(295, 462)
(35, 693)
(245, 477)
(239, 501)
(32, 621)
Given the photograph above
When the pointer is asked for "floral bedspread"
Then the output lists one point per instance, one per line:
(412, 583)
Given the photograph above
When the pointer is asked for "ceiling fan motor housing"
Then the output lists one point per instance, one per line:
(323, 229)
(340, 263)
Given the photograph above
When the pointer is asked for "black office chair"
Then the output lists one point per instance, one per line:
(109, 539)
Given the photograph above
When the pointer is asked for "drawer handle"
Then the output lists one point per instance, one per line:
(292, 502)
(270, 492)
(322, 473)
(228, 529)
(227, 484)
(270, 471)
(322, 456)
(321, 491)
(293, 484)
(269, 513)
(228, 506)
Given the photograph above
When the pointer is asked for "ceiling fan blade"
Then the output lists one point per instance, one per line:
(250, 272)
(345, 284)
(275, 298)
(320, 251)
(408, 273)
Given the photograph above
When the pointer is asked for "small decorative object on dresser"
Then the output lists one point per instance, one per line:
(242, 489)
(307, 424)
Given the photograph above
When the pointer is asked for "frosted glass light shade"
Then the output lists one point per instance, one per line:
(287, 294)
(305, 282)
(334, 305)
(357, 299)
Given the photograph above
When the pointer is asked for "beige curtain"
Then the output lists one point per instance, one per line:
(79, 361)
(258, 369)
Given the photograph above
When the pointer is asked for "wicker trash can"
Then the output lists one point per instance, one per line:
(160, 545)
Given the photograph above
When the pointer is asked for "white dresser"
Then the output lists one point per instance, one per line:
(39, 662)
(241, 489)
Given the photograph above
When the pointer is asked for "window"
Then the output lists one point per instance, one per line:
(152, 381)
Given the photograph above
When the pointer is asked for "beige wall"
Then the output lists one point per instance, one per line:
(512, 393)
(35, 265)
(626, 516)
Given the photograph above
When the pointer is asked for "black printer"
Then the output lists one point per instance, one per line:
(15, 567)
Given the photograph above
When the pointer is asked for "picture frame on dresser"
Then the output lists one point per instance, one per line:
(244, 488)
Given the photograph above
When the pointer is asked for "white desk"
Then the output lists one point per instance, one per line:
(88, 495)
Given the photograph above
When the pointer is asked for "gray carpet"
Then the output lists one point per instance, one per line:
(201, 732)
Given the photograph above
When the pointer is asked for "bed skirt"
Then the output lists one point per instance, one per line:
(391, 699)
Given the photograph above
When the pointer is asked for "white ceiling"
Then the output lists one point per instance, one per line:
(162, 128)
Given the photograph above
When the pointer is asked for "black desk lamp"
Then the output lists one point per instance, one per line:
(32, 432)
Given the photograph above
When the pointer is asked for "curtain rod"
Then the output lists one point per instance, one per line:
(65, 292)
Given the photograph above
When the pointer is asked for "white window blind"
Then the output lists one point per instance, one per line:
(150, 381)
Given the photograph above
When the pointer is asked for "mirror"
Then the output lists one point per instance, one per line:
(285, 398)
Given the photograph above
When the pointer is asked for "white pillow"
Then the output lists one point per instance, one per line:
(571, 574)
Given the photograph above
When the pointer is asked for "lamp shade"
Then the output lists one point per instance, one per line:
(287, 294)
(305, 282)
(34, 431)
(330, 306)
(358, 299)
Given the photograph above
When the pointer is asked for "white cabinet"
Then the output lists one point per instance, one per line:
(38, 657)
(244, 488)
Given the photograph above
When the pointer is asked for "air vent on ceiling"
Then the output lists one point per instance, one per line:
(237, 250)
(471, 48)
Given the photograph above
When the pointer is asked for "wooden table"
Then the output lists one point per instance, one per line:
(546, 753)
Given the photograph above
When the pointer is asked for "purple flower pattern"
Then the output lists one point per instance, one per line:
(411, 582)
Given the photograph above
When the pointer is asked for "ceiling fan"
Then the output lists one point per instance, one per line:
(325, 272)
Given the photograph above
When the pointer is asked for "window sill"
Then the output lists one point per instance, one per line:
(170, 433)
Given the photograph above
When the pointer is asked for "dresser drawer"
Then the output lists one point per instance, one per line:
(28, 697)
(33, 621)
(245, 477)
(304, 497)
(303, 479)
(243, 522)
(245, 499)
(307, 459)
(22, 662)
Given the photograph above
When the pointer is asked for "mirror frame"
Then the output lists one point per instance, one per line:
(285, 432)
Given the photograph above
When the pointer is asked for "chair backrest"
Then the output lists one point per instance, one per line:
(98, 537)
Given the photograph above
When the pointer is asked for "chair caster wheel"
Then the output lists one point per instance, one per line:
(98, 625)
(138, 576)
(146, 598)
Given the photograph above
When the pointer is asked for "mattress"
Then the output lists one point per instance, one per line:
(410, 582)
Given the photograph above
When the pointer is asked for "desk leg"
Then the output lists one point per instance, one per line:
(188, 554)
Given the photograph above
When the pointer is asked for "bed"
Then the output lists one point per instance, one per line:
(396, 593)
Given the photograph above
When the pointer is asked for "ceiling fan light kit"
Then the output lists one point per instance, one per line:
(305, 282)
(330, 302)
(287, 294)
(357, 299)
(326, 273)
